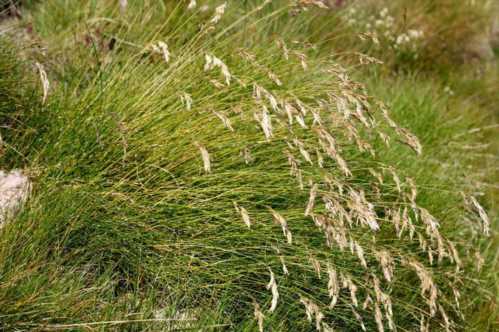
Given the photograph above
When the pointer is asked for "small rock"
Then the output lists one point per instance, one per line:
(14, 190)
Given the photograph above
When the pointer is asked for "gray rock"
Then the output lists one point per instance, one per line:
(14, 190)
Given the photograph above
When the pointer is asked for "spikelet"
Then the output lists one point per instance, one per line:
(389, 120)
(360, 254)
(44, 80)
(317, 118)
(385, 138)
(244, 214)
(266, 123)
(219, 12)
(272, 100)
(205, 156)
(217, 84)
(192, 4)
(301, 121)
(396, 179)
(320, 159)
(272, 286)
(367, 302)
(348, 283)
(480, 261)
(246, 154)
(359, 318)
(377, 175)
(123, 6)
(305, 155)
(363, 210)
(313, 312)
(424, 325)
(414, 192)
(290, 111)
(332, 285)
(386, 262)
(311, 200)
(212, 62)
(328, 143)
(447, 322)
(454, 254)
(282, 45)
(259, 316)
(293, 163)
(378, 316)
(303, 59)
(162, 47)
(274, 78)
(284, 225)
(410, 139)
(316, 265)
(429, 220)
(283, 264)
(225, 120)
(427, 284)
(186, 100)
(483, 216)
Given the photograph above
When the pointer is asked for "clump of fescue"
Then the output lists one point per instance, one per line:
(260, 166)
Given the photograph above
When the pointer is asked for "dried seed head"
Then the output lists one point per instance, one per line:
(225, 120)
(386, 262)
(360, 254)
(303, 59)
(359, 318)
(284, 267)
(364, 211)
(219, 12)
(205, 156)
(424, 325)
(259, 316)
(414, 191)
(311, 200)
(248, 158)
(266, 123)
(316, 265)
(332, 285)
(186, 100)
(44, 80)
(212, 62)
(378, 316)
(274, 78)
(244, 214)
(396, 179)
(410, 139)
(348, 283)
(313, 312)
(123, 6)
(282, 45)
(284, 225)
(272, 286)
(367, 302)
(427, 284)
(447, 323)
(483, 216)
(162, 48)
(192, 4)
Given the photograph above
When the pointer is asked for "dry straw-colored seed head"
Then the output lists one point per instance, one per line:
(272, 286)
(45, 81)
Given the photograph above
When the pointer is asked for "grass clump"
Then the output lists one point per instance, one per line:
(196, 171)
